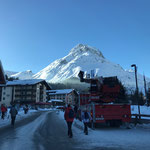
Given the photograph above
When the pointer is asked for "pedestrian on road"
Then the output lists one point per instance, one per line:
(3, 110)
(76, 111)
(86, 119)
(13, 112)
(26, 108)
(69, 117)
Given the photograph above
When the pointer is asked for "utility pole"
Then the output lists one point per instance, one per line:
(137, 89)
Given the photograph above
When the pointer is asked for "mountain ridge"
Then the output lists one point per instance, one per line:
(21, 75)
(86, 58)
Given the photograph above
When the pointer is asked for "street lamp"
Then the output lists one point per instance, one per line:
(137, 90)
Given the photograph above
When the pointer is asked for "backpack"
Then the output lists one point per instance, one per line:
(71, 113)
(86, 115)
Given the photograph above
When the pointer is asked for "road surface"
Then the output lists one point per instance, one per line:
(47, 131)
(42, 131)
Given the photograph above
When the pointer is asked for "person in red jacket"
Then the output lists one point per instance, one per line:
(3, 110)
(69, 117)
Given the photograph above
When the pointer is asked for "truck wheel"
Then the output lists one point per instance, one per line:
(115, 123)
(111, 123)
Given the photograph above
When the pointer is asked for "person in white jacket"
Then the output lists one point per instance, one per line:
(86, 119)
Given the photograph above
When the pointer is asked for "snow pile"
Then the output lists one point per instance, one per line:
(143, 109)
(86, 58)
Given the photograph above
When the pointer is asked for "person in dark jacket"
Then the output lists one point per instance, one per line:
(13, 112)
(26, 108)
(76, 111)
(86, 119)
(69, 117)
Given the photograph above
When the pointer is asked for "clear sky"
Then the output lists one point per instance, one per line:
(34, 33)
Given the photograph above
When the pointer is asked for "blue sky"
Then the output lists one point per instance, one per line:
(34, 33)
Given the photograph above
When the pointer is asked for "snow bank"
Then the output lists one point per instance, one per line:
(136, 138)
(144, 110)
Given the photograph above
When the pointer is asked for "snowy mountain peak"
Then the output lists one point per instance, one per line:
(86, 58)
(80, 49)
(29, 71)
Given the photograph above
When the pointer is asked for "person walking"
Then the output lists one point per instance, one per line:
(69, 117)
(3, 110)
(13, 112)
(76, 111)
(26, 108)
(86, 119)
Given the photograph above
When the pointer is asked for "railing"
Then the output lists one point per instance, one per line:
(141, 115)
(138, 118)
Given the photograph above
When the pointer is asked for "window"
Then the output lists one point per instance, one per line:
(29, 87)
(3, 98)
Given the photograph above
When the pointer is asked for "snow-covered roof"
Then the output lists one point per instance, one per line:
(55, 100)
(63, 91)
(24, 82)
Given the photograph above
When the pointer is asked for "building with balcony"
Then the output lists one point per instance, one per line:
(28, 91)
(69, 96)
(5, 93)
(22, 91)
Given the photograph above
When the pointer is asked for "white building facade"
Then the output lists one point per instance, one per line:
(23, 92)
(6, 94)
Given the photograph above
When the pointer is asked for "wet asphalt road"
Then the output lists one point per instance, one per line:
(42, 131)
(53, 135)
(50, 134)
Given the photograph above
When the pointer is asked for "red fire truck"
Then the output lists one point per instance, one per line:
(105, 101)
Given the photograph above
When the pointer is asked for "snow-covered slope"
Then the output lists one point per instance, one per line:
(23, 75)
(9, 73)
(86, 58)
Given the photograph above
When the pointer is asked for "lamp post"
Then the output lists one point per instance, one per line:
(137, 90)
